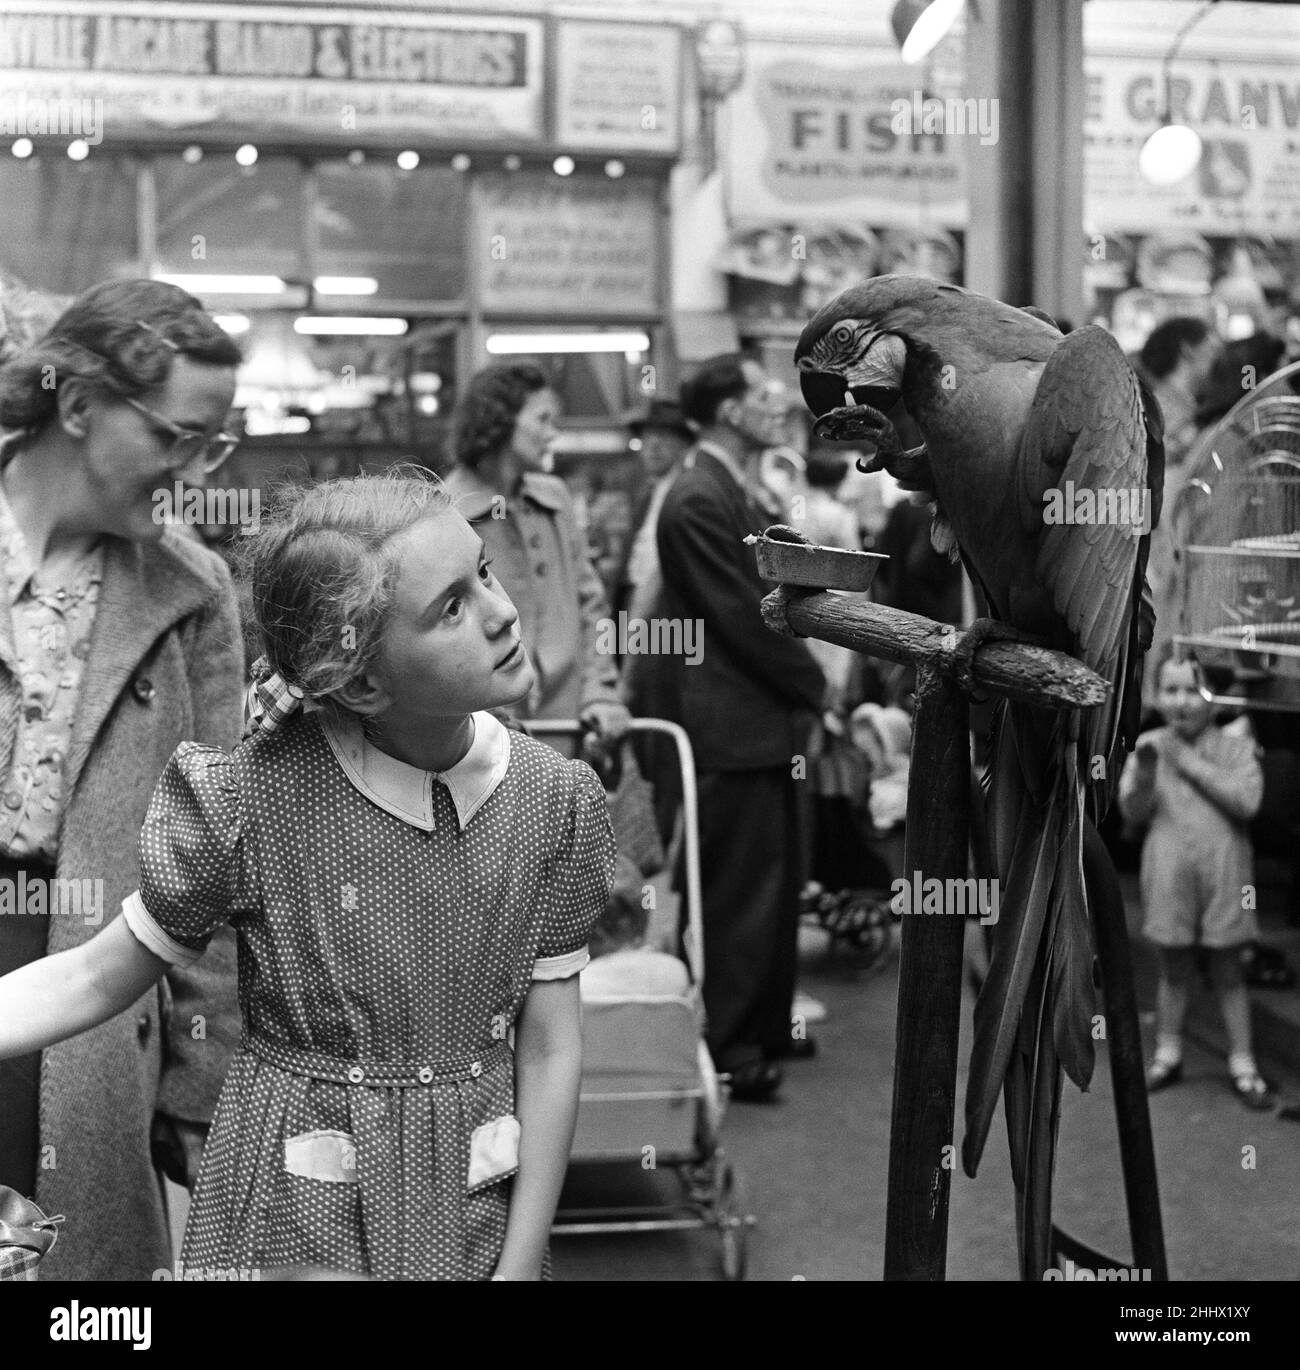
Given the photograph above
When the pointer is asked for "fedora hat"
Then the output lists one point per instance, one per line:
(662, 414)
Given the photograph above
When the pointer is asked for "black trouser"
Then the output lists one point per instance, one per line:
(751, 872)
(23, 939)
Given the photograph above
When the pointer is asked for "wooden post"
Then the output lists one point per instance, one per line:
(929, 990)
(1124, 1040)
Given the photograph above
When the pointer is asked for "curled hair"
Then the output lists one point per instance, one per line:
(323, 574)
(489, 409)
(1162, 349)
(119, 337)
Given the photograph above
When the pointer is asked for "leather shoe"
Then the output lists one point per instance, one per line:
(755, 1082)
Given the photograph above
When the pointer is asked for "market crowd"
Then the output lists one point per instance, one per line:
(132, 662)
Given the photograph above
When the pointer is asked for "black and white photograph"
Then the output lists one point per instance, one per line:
(650, 641)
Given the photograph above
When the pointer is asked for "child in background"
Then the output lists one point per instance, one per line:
(408, 880)
(1198, 786)
(621, 963)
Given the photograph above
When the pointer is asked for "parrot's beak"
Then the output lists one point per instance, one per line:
(851, 406)
(824, 391)
(845, 415)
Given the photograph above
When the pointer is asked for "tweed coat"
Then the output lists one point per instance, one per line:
(165, 666)
(540, 555)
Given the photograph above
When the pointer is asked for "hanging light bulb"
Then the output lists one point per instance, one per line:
(919, 27)
(1170, 153)
(1173, 150)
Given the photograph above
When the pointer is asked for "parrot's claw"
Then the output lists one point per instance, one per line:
(981, 631)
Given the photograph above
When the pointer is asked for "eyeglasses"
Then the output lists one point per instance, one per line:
(770, 395)
(187, 446)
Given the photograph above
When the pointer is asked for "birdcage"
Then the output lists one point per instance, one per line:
(1236, 528)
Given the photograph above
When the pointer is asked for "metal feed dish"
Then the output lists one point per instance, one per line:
(1236, 528)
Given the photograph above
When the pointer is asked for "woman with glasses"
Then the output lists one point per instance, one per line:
(119, 639)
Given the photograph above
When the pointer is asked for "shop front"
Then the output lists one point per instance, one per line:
(376, 202)
(1223, 241)
(839, 163)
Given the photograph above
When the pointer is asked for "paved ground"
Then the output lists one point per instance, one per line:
(815, 1167)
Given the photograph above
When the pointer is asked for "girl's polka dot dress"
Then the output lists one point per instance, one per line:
(390, 922)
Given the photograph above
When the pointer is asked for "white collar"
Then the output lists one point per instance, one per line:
(406, 791)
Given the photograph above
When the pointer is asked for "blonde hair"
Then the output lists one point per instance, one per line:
(323, 573)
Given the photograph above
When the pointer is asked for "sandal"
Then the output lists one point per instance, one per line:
(1161, 1074)
(1253, 1090)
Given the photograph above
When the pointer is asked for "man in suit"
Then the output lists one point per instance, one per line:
(748, 704)
(664, 437)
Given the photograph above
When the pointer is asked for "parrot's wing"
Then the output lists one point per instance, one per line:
(1082, 473)
(1084, 454)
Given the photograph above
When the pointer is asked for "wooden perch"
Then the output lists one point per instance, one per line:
(936, 847)
(1032, 675)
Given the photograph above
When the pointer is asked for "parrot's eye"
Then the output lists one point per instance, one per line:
(843, 334)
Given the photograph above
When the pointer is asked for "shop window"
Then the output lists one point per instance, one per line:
(598, 384)
(402, 230)
(219, 219)
(68, 224)
(597, 373)
(391, 396)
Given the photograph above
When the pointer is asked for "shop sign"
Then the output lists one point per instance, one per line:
(1248, 117)
(845, 136)
(584, 249)
(350, 76)
(618, 87)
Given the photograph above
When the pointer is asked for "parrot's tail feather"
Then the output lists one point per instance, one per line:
(1071, 990)
(1018, 1088)
(1023, 900)
(1042, 957)
(1034, 1202)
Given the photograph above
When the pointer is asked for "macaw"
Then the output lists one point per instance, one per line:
(1028, 434)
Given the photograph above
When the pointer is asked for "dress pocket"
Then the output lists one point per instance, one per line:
(322, 1155)
(493, 1151)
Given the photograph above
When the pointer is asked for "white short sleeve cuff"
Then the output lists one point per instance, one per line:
(151, 937)
(560, 967)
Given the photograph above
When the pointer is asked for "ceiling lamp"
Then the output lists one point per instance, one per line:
(1173, 150)
(920, 25)
(1170, 153)
(506, 344)
(343, 325)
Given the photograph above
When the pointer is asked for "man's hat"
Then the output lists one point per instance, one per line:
(662, 414)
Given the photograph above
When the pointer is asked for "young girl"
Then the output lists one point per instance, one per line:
(408, 881)
(1198, 786)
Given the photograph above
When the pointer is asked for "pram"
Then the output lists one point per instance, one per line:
(650, 1095)
(859, 788)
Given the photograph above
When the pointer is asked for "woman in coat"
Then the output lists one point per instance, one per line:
(504, 432)
(119, 639)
